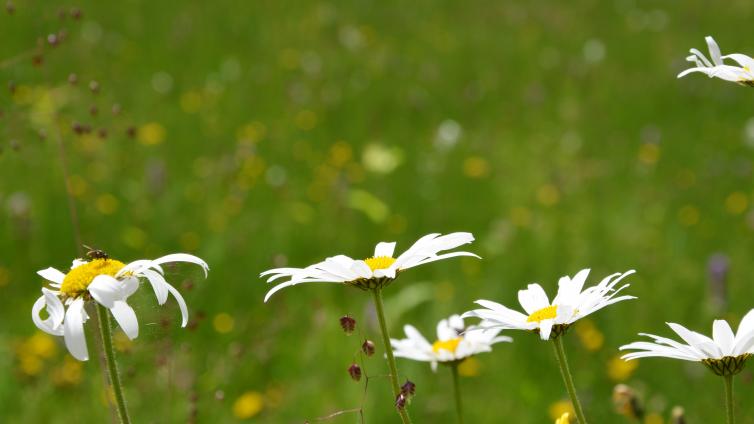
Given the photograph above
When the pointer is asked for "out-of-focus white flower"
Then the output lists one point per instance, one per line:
(716, 68)
(108, 282)
(454, 342)
(375, 272)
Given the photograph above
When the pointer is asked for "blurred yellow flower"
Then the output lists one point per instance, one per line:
(306, 120)
(654, 418)
(620, 370)
(223, 323)
(107, 204)
(649, 153)
(520, 216)
(253, 132)
(470, 367)
(189, 241)
(248, 405)
(548, 195)
(67, 374)
(564, 419)
(340, 154)
(476, 167)
(77, 185)
(590, 336)
(191, 101)
(151, 134)
(561, 407)
(381, 159)
(121, 342)
(688, 215)
(736, 203)
(134, 237)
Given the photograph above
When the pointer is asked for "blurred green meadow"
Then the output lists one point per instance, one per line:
(263, 134)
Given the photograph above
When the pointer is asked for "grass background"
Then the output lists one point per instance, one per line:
(269, 133)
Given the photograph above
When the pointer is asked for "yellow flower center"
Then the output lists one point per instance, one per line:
(379, 262)
(549, 312)
(78, 279)
(449, 345)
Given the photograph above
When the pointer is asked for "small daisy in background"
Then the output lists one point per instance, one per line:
(373, 274)
(454, 344)
(552, 319)
(716, 68)
(109, 283)
(725, 354)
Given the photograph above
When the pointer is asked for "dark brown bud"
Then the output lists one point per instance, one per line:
(94, 86)
(11, 87)
(408, 388)
(348, 324)
(355, 372)
(76, 13)
(368, 347)
(37, 60)
(131, 132)
(400, 402)
(93, 110)
(102, 133)
(77, 128)
(73, 79)
(10, 7)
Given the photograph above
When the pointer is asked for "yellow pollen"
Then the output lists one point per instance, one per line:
(379, 262)
(78, 279)
(549, 312)
(449, 345)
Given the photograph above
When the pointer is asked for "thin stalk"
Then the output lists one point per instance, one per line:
(729, 399)
(568, 379)
(377, 296)
(112, 366)
(457, 391)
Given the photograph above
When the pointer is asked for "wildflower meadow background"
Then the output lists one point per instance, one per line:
(264, 134)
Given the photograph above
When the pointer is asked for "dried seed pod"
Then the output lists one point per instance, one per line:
(355, 372)
(400, 402)
(408, 388)
(348, 324)
(368, 347)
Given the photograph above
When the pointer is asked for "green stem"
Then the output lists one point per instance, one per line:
(377, 296)
(112, 367)
(729, 399)
(457, 391)
(568, 379)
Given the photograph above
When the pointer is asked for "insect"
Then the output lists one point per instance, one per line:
(96, 253)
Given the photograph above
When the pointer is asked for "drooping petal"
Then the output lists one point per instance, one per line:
(73, 326)
(183, 257)
(55, 309)
(181, 303)
(157, 281)
(126, 318)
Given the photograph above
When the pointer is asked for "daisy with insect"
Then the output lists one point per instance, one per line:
(373, 274)
(725, 354)
(107, 283)
(454, 344)
(552, 319)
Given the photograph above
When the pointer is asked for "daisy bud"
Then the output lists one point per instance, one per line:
(94, 86)
(678, 416)
(400, 402)
(76, 13)
(348, 324)
(626, 402)
(408, 388)
(93, 110)
(52, 39)
(355, 372)
(368, 347)
(73, 79)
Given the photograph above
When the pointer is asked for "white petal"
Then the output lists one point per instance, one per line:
(75, 339)
(55, 309)
(384, 249)
(533, 298)
(183, 257)
(51, 274)
(545, 327)
(106, 290)
(181, 303)
(158, 285)
(714, 50)
(723, 336)
(126, 318)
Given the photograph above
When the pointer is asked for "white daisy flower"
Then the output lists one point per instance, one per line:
(455, 342)
(377, 271)
(725, 353)
(108, 282)
(570, 305)
(716, 68)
